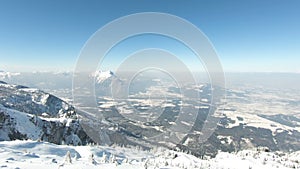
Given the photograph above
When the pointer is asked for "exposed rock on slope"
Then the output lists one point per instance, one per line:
(27, 113)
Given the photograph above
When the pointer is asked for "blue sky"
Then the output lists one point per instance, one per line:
(249, 36)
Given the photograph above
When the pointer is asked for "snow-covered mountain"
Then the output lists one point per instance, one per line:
(104, 81)
(33, 154)
(101, 76)
(27, 113)
(33, 101)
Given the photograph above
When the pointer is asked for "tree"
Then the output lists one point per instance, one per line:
(92, 159)
(104, 158)
(112, 158)
(146, 164)
(68, 158)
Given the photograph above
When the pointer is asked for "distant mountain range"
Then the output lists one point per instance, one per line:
(7, 75)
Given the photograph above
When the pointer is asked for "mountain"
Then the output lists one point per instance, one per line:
(33, 101)
(101, 76)
(104, 81)
(27, 113)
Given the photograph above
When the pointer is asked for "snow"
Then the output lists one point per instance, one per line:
(254, 159)
(186, 142)
(31, 90)
(101, 76)
(251, 119)
(169, 105)
(36, 155)
(250, 102)
(22, 119)
(227, 138)
(125, 110)
(107, 104)
(7, 75)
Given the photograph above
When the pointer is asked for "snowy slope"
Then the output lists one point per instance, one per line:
(101, 76)
(32, 154)
(28, 113)
(19, 125)
(33, 101)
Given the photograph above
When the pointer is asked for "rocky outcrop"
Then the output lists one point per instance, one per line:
(27, 113)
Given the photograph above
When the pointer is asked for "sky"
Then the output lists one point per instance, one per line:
(248, 35)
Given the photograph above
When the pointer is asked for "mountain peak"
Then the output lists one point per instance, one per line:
(101, 76)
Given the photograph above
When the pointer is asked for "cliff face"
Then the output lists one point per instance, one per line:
(27, 113)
